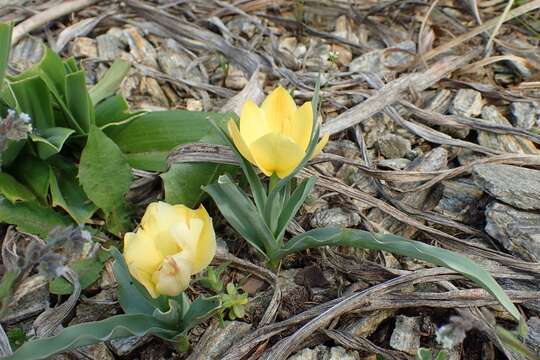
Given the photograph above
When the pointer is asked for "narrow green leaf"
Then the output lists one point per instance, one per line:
(5, 46)
(67, 193)
(104, 172)
(110, 82)
(293, 204)
(50, 141)
(31, 217)
(89, 333)
(32, 172)
(71, 65)
(200, 310)
(132, 296)
(13, 190)
(398, 245)
(78, 100)
(243, 216)
(51, 65)
(89, 271)
(114, 111)
(33, 98)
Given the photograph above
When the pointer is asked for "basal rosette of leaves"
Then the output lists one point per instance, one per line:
(75, 164)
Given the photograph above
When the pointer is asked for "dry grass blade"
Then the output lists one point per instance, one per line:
(349, 341)
(502, 18)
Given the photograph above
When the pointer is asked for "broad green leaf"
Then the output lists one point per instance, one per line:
(34, 173)
(150, 137)
(200, 310)
(51, 65)
(104, 172)
(71, 65)
(5, 45)
(13, 150)
(79, 335)
(132, 296)
(110, 82)
(401, 246)
(243, 216)
(13, 190)
(33, 98)
(7, 286)
(31, 217)
(182, 182)
(67, 193)
(89, 270)
(50, 141)
(114, 111)
(78, 100)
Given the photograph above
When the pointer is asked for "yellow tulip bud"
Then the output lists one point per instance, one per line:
(172, 243)
(275, 136)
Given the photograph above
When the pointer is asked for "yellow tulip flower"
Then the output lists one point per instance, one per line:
(275, 136)
(172, 243)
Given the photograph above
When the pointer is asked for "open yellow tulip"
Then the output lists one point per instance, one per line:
(275, 136)
(172, 243)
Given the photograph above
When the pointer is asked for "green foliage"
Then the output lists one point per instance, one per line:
(233, 303)
(212, 278)
(16, 337)
(5, 44)
(427, 354)
(88, 270)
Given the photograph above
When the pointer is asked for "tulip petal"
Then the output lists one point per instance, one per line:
(278, 107)
(253, 123)
(145, 279)
(276, 153)
(239, 142)
(173, 276)
(320, 145)
(156, 224)
(300, 125)
(141, 250)
(206, 246)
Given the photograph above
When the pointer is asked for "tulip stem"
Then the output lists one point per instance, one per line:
(273, 182)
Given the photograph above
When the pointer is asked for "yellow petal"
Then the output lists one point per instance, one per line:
(322, 143)
(173, 276)
(278, 107)
(276, 153)
(140, 251)
(239, 142)
(299, 126)
(206, 246)
(145, 279)
(253, 123)
(156, 223)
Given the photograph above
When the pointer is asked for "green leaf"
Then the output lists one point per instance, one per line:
(5, 46)
(11, 153)
(114, 111)
(33, 98)
(71, 65)
(89, 271)
(89, 333)
(31, 217)
(13, 190)
(243, 216)
(147, 139)
(67, 193)
(293, 204)
(50, 141)
(401, 246)
(182, 182)
(132, 296)
(34, 173)
(200, 310)
(424, 354)
(78, 100)
(104, 172)
(52, 69)
(110, 82)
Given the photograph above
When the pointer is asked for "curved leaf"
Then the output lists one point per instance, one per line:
(13, 190)
(92, 332)
(33, 98)
(398, 245)
(50, 141)
(110, 82)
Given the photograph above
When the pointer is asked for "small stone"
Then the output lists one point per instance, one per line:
(124, 346)
(321, 352)
(236, 79)
(143, 52)
(393, 146)
(406, 334)
(461, 201)
(216, 340)
(523, 115)
(467, 102)
(26, 53)
(394, 164)
(194, 105)
(343, 53)
(367, 325)
(318, 55)
(383, 62)
(440, 102)
(514, 185)
(83, 47)
(517, 231)
(150, 86)
(352, 176)
(335, 217)
(108, 47)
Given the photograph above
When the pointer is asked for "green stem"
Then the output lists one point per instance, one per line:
(274, 179)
